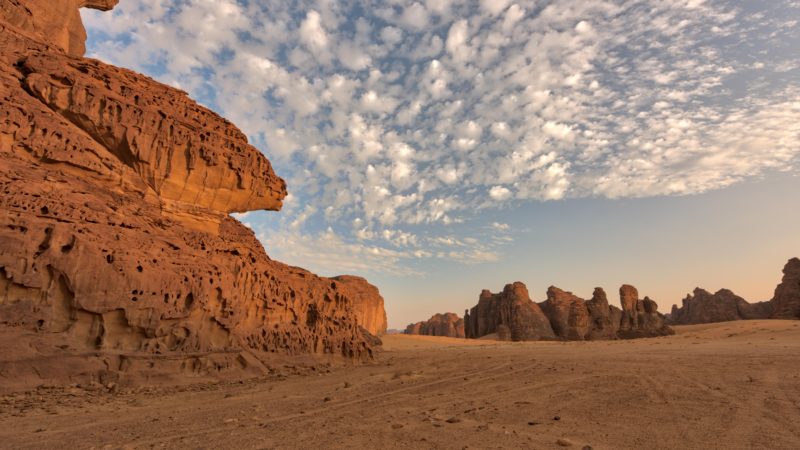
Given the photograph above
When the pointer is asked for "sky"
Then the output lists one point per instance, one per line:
(439, 147)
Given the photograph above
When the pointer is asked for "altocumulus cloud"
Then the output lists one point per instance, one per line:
(398, 123)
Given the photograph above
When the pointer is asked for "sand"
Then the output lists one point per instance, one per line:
(727, 386)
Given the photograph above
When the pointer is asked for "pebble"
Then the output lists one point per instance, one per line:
(564, 442)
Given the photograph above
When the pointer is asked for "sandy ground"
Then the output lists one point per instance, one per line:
(728, 386)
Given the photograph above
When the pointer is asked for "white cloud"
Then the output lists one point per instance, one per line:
(312, 32)
(494, 7)
(456, 43)
(400, 115)
(415, 16)
(500, 193)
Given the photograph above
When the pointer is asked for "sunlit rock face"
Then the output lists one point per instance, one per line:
(117, 253)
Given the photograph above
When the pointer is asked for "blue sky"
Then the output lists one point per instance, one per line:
(440, 147)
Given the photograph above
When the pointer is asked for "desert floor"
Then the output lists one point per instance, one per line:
(730, 385)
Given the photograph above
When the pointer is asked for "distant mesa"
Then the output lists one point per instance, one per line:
(447, 325)
(118, 256)
(512, 315)
(703, 307)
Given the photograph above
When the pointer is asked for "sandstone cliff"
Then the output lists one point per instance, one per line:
(705, 307)
(514, 316)
(511, 314)
(447, 324)
(117, 253)
(786, 301)
(724, 305)
(367, 302)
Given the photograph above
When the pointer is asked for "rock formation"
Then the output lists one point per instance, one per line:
(447, 325)
(724, 305)
(117, 251)
(513, 316)
(640, 318)
(367, 303)
(705, 307)
(786, 301)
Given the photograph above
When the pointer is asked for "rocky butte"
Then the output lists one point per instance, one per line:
(724, 305)
(512, 315)
(447, 325)
(118, 255)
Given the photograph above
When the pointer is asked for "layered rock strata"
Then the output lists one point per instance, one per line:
(117, 251)
(512, 315)
(447, 325)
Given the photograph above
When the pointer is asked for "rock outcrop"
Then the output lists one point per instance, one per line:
(367, 303)
(513, 316)
(117, 251)
(786, 301)
(724, 305)
(705, 307)
(640, 318)
(447, 325)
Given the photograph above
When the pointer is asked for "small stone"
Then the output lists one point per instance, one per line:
(564, 442)
(326, 399)
(397, 426)
(532, 423)
(453, 420)
(557, 418)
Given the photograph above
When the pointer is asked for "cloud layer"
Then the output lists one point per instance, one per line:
(404, 128)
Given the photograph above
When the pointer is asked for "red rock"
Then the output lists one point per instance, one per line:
(368, 303)
(724, 305)
(568, 316)
(512, 310)
(640, 318)
(567, 313)
(447, 324)
(605, 319)
(786, 301)
(117, 253)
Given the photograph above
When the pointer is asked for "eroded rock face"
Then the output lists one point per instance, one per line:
(568, 314)
(511, 314)
(115, 239)
(569, 317)
(367, 303)
(447, 325)
(786, 301)
(640, 318)
(705, 307)
(56, 22)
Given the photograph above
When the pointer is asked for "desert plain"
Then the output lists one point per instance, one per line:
(718, 386)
